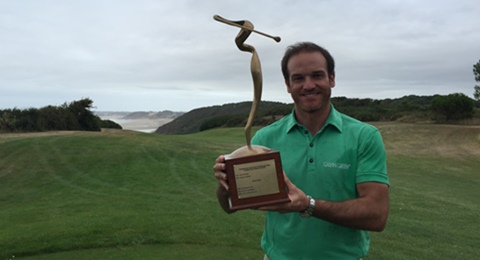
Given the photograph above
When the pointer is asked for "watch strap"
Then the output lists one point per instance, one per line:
(309, 211)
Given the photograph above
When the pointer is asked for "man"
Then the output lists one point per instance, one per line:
(334, 165)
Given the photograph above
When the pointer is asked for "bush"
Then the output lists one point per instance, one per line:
(109, 124)
(73, 116)
(452, 107)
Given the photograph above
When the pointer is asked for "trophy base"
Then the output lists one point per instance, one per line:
(255, 178)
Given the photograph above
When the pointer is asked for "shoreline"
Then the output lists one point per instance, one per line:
(145, 125)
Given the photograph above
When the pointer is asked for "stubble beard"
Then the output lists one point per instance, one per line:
(323, 104)
(311, 109)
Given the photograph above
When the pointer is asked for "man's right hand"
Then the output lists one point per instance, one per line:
(223, 193)
(219, 170)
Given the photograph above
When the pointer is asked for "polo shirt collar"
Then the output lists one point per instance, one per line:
(334, 119)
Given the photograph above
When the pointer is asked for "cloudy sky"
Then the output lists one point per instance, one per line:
(154, 55)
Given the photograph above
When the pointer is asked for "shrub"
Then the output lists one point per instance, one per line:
(452, 107)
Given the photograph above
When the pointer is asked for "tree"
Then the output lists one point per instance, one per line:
(28, 120)
(476, 72)
(452, 107)
(476, 94)
(81, 110)
(7, 121)
(57, 118)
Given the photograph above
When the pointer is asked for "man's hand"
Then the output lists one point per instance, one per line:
(223, 193)
(298, 200)
(219, 170)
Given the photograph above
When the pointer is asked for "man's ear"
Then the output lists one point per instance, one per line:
(332, 79)
(287, 83)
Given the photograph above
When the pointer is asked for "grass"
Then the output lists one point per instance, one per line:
(431, 215)
(129, 195)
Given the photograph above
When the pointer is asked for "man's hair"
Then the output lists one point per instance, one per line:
(300, 47)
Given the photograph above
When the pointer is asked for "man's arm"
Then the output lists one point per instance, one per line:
(367, 212)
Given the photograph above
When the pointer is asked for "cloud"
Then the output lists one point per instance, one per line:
(158, 55)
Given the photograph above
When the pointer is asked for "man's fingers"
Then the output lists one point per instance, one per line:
(219, 164)
(288, 183)
(219, 169)
(220, 175)
(220, 159)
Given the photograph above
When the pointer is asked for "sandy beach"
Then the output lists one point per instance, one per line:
(142, 125)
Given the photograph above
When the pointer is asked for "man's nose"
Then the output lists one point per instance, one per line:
(309, 83)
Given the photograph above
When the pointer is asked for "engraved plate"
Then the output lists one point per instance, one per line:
(256, 179)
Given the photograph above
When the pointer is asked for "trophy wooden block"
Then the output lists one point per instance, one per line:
(256, 180)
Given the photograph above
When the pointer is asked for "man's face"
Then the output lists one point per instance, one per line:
(309, 83)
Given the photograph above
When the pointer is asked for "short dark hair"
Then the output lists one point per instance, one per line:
(306, 47)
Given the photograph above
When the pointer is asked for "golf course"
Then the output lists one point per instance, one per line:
(121, 194)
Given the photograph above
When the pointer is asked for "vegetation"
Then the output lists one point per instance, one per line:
(120, 194)
(452, 107)
(476, 73)
(205, 118)
(406, 109)
(370, 110)
(77, 115)
(73, 116)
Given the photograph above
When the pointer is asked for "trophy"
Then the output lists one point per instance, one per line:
(254, 173)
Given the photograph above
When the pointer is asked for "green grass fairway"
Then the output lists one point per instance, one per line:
(129, 195)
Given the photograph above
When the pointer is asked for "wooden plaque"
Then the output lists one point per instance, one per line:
(256, 180)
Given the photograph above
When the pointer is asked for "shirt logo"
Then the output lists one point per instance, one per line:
(344, 166)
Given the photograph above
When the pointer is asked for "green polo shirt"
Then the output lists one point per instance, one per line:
(326, 166)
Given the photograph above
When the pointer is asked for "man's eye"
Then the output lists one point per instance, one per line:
(297, 78)
(317, 75)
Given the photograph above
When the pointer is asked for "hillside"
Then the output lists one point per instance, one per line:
(434, 140)
(410, 108)
(192, 121)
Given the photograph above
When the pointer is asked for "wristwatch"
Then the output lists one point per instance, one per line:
(309, 211)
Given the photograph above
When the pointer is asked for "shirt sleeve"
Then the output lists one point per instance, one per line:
(372, 164)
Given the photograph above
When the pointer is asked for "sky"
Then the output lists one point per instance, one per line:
(154, 55)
